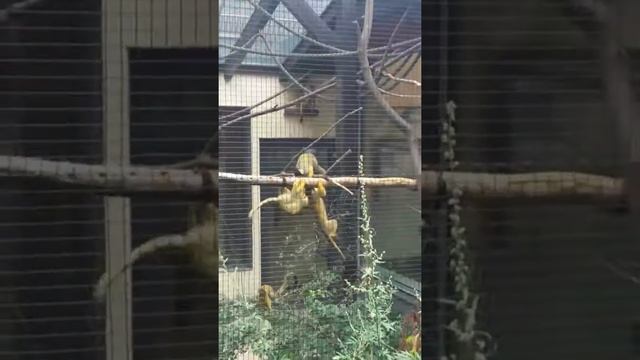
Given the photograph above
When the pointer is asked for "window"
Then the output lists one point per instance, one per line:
(173, 115)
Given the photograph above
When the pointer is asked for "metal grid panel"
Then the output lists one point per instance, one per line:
(540, 94)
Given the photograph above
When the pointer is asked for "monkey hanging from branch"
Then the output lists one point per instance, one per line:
(308, 165)
(294, 200)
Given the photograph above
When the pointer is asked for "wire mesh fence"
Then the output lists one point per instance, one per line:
(141, 139)
(538, 178)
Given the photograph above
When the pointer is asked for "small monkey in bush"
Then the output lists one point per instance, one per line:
(266, 294)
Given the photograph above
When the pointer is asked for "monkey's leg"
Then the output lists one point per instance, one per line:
(331, 230)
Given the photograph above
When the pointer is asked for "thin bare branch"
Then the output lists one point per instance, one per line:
(284, 70)
(337, 161)
(398, 95)
(340, 186)
(409, 81)
(410, 51)
(6, 13)
(319, 137)
(393, 34)
(622, 273)
(411, 60)
(366, 70)
(331, 168)
(370, 52)
(280, 107)
(235, 113)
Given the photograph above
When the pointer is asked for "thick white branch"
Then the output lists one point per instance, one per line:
(139, 179)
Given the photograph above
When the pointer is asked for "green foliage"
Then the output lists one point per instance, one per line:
(372, 324)
(469, 342)
(307, 329)
(320, 320)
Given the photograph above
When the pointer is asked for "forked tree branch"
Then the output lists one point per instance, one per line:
(413, 138)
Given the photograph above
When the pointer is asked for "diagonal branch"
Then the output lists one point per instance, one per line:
(327, 85)
(319, 137)
(284, 70)
(6, 13)
(393, 34)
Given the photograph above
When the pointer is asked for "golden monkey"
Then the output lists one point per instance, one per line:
(307, 165)
(292, 201)
(410, 333)
(200, 242)
(266, 294)
(265, 297)
(330, 227)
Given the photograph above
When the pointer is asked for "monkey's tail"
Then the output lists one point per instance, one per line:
(262, 203)
(150, 246)
(337, 248)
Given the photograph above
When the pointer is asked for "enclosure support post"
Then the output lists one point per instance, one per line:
(350, 99)
(116, 153)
